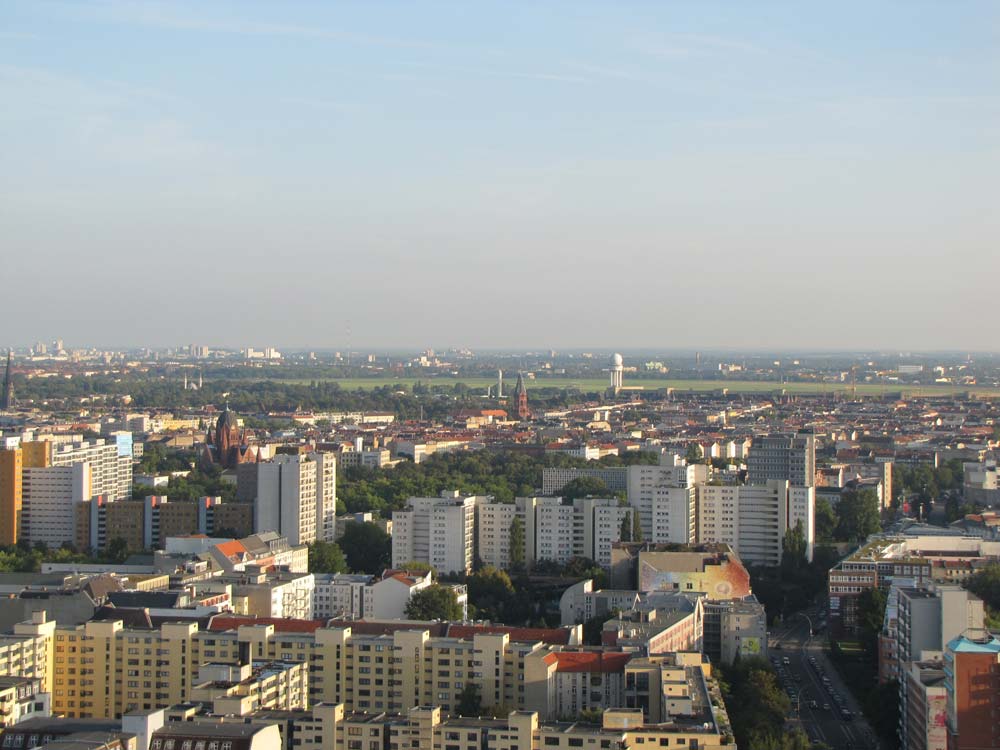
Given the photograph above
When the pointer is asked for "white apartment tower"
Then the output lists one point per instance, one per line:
(439, 531)
(664, 497)
(51, 495)
(296, 496)
(493, 522)
(755, 518)
(110, 463)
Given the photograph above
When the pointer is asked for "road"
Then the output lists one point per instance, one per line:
(800, 676)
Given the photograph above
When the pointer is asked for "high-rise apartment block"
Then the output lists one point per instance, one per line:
(438, 531)
(296, 496)
(754, 519)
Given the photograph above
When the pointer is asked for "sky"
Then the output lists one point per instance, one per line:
(517, 175)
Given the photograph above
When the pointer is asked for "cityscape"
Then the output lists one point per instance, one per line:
(499, 376)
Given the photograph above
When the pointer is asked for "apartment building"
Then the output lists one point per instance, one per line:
(296, 496)
(271, 593)
(364, 596)
(783, 458)
(438, 531)
(21, 699)
(27, 651)
(110, 462)
(103, 668)
(241, 689)
(330, 727)
(51, 497)
(754, 519)
(664, 495)
(493, 525)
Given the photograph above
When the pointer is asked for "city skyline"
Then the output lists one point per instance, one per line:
(759, 177)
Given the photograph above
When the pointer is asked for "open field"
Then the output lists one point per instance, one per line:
(600, 384)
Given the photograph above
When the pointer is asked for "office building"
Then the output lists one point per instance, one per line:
(972, 686)
(784, 458)
(913, 560)
(11, 495)
(922, 717)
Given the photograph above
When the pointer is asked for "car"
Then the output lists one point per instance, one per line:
(846, 715)
(826, 706)
(813, 704)
(786, 661)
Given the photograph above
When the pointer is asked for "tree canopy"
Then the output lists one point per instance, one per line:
(366, 548)
(858, 512)
(326, 557)
(436, 602)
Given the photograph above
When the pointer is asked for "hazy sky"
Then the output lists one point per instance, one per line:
(613, 174)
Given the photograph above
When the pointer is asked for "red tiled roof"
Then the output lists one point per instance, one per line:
(591, 661)
(231, 548)
(551, 636)
(281, 624)
(360, 627)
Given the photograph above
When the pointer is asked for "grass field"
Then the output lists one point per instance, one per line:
(734, 386)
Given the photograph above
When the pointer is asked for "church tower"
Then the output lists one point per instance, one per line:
(521, 399)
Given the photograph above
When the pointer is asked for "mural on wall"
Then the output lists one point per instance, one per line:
(720, 578)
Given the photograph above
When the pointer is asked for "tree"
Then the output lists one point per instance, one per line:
(859, 515)
(436, 602)
(470, 702)
(693, 454)
(593, 628)
(516, 544)
(793, 552)
(985, 583)
(871, 615)
(584, 487)
(625, 532)
(826, 521)
(636, 526)
(366, 547)
(118, 549)
(490, 592)
(326, 557)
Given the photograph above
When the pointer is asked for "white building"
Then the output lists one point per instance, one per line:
(439, 531)
(493, 523)
(558, 531)
(366, 596)
(667, 512)
(110, 463)
(754, 519)
(50, 498)
(296, 496)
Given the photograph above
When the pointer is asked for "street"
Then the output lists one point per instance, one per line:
(822, 706)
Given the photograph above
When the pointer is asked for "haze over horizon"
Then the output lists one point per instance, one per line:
(762, 176)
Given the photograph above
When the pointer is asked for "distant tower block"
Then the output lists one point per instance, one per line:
(617, 372)
(499, 383)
